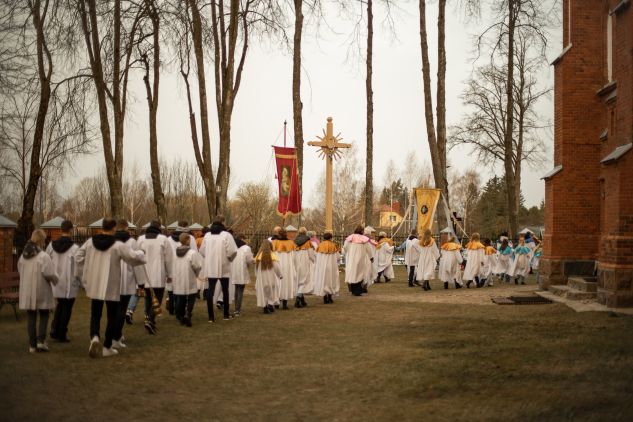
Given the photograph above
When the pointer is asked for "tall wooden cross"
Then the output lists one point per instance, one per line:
(329, 145)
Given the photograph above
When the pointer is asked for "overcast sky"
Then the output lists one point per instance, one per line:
(331, 86)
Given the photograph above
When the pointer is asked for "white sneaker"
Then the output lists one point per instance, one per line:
(118, 344)
(32, 349)
(110, 352)
(95, 349)
(43, 347)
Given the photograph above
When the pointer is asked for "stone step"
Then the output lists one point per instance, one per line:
(559, 289)
(582, 284)
(573, 294)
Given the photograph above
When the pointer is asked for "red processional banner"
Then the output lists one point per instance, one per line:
(288, 181)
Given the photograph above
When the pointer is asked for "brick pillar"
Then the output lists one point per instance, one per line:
(572, 199)
(6, 249)
(615, 260)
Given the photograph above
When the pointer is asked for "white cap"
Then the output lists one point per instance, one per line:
(291, 228)
(369, 230)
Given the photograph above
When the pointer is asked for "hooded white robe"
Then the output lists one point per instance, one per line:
(503, 263)
(383, 260)
(218, 250)
(411, 253)
(174, 244)
(449, 266)
(490, 263)
(520, 267)
(159, 256)
(427, 261)
(358, 252)
(129, 272)
(474, 263)
(64, 264)
(239, 266)
(304, 264)
(326, 278)
(36, 276)
(266, 283)
(100, 270)
(185, 273)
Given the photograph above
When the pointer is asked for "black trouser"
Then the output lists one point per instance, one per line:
(61, 318)
(239, 294)
(120, 322)
(357, 288)
(224, 282)
(184, 306)
(112, 310)
(158, 292)
(411, 273)
(171, 303)
(41, 331)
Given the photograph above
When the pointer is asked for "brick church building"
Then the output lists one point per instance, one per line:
(589, 192)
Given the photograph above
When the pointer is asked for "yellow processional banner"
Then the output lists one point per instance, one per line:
(426, 200)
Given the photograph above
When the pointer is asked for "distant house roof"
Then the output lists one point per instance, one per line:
(145, 226)
(173, 226)
(395, 207)
(195, 226)
(552, 172)
(5, 222)
(53, 223)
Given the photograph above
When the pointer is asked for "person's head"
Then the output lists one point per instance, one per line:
(184, 239)
(414, 232)
(382, 235)
(327, 235)
(311, 233)
(521, 239)
(155, 224)
(359, 230)
(266, 259)
(122, 225)
(108, 225)
(302, 230)
(39, 238)
(487, 242)
(276, 230)
(369, 231)
(183, 223)
(283, 234)
(475, 237)
(427, 235)
(219, 219)
(504, 243)
(67, 227)
(528, 236)
(205, 230)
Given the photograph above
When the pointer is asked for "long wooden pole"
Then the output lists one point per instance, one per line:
(329, 138)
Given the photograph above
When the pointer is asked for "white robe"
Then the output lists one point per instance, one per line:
(174, 244)
(239, 266)
(326, 280)
(304, 263)
(520, 267)
(358, 253)
(266, 284)
(287, 283)
(185, 273)
(490, 263)
(371, 270)
(449, 266)
(218, 251)
(100, 271)
(474, 261)
(36, 276)
(129, 272)
(383, 260)
(427, 261)
(159, 256)
(411, 254)
(503, 264)
(64, 264)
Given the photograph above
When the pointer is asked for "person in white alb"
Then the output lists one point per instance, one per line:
(174, 242)
(218, 250)
(187, 266)
(240, 276)
(99, 267)
(62, 252)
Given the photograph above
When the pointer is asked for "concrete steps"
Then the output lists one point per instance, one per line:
(577, 288)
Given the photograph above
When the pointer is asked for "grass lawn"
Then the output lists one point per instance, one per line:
(396, 354)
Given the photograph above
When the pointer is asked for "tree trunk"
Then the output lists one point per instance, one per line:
(297, 105)
(152, 102)
(508, 147)
(369, 182)
(25, 222)
(441, 93)
(439, 169)
(206, 170)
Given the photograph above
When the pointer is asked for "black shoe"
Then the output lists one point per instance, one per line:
(410, 284)
(523, 283)
(516, 281)
(457, 286)
(417, 283)
(330, 299)
(219, 304)
(378, 281)
(468, 284)
(198, 295)
(298, 303)
(326, 300)
(150, 328)
(446, 285)
(188, 322)
(303, 301)
(285, 304)
(364, 289)
(428, 285)
(276, 306)
(128, 319)
(266, 310)
(271, 308)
